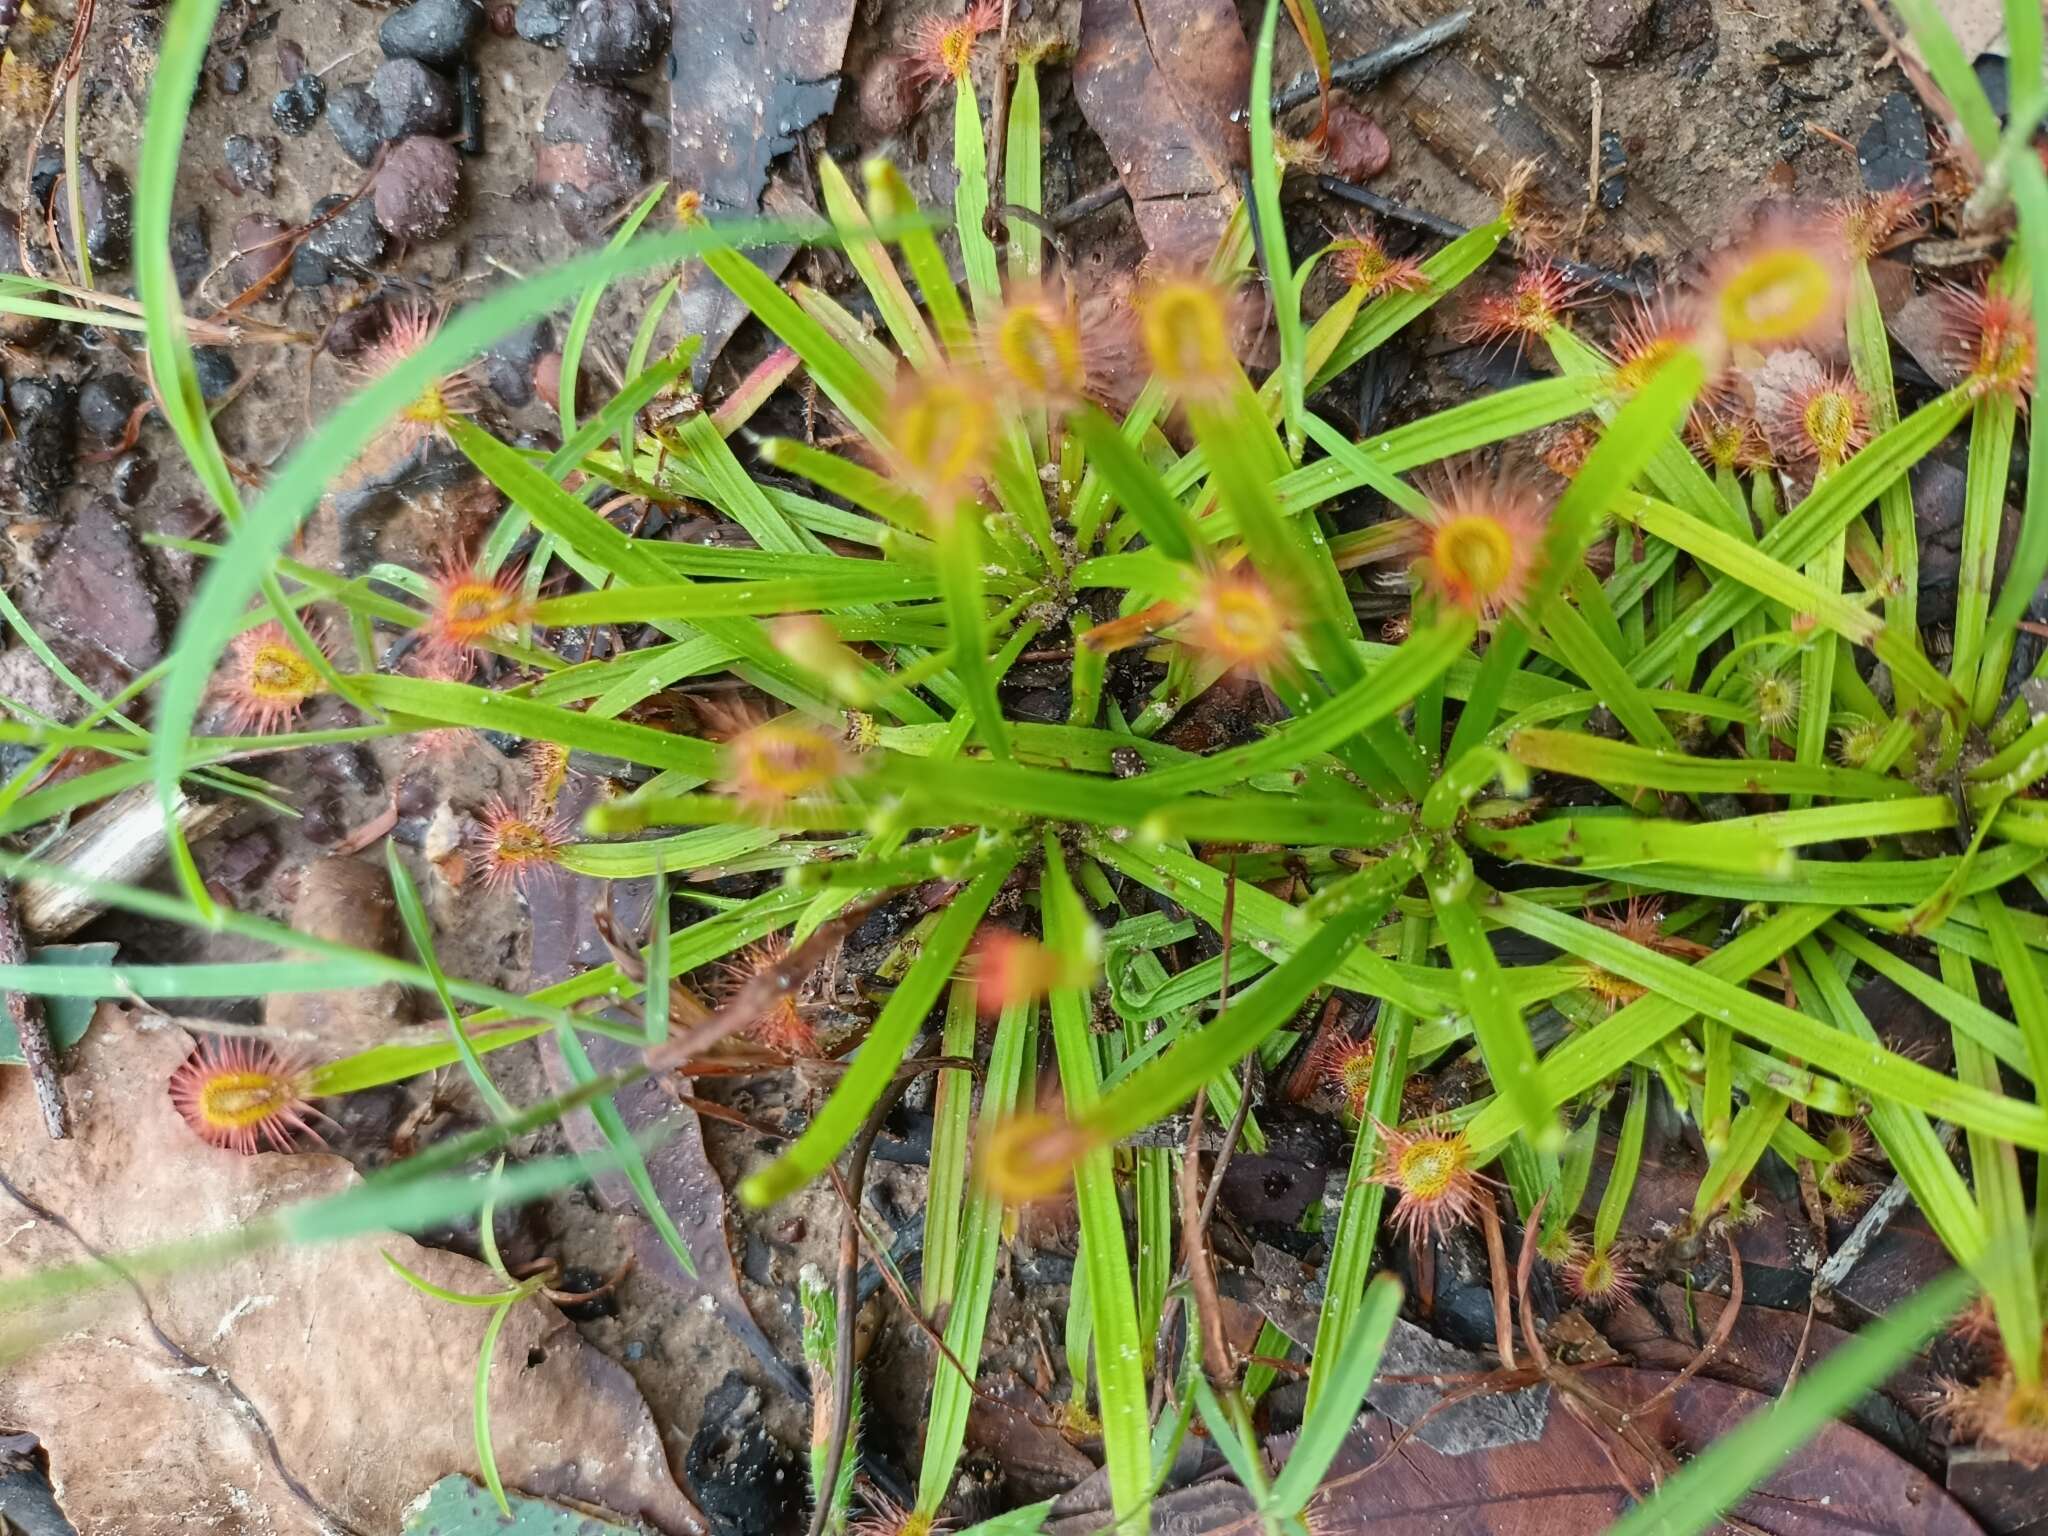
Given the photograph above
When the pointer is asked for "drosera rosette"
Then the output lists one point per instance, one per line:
(1531, 307)
(266, 680)
(471, 610)
(1031, 1156)
(410, 326)
(1436, 1178)
(787, 1025)
(1476, 547)
(1727, 438)
(1815, 414)
(517, 846)
(1185, 323)
(1365, 266)
(943, 45)
(1870, 223)
(1989, 339)
(244, 1095)
(1599, 1280)
(1784, 285)
(1649, 335)
(942, 428)
(2001, 1412)
(1011, 969)
(1344, 1068)
(775, 763)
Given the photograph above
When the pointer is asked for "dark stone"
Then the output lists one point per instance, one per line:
(616, 39)
(577, 1280)
(1613, 170)
(241, 861)
(261, 252)
(109, 211)
(45, 415)
(353, 331)
(251, 162)
(1685, 32)
(234, 76)
(191, 250)
(1779, 98)
(346, 246)
(95, 601)
(411, 99)
(543, 21)
(745, 1480)
(21, 330)
(418, 188)
(1990, 70)
(344, 765)
(508, 366)
(133, 475)
(44, 173)
(1610, 31)
(216, 369)
(355, 122)
(297, 107)
(1893, 151)
(436, 32)
(591, 161)
(105, 403)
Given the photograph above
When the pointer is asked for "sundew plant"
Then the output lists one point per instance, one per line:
(1662, 716)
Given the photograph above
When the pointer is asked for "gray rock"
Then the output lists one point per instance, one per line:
(105, 402)
(356, 123)
(436, 32)
(346, 246)
(297, 107)
(1610, 31)
(411, 99)
(108, 207)
(95, 601)
(251, 162)
(616, 39)
(418, 188)
(590, 162)
(543, 22)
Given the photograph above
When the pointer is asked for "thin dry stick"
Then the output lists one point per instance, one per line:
(30, 1027)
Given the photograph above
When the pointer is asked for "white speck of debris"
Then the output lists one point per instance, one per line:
(16, 1231)
(238, 1311)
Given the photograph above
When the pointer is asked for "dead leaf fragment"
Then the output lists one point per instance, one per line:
(297, 1390)
(1164, 86)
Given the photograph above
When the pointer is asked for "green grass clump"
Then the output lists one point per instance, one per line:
(1710, 779)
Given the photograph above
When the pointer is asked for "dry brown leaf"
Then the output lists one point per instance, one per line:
(1164, 86)
(364, 1382)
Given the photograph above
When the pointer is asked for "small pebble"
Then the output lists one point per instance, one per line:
(1356, 146)
(436, 32)
(1613, 170)
(45, 415)
(615, 39)
(346, 246)
(411, 99)
(591, 161)
(543, 21)
(356, 122)
(134, 475)
(291, 62)
(109, 211)
(251, 162)
(191, 250)
(508, 366)
(45, 172)
(234, 76)
(106, 401)
(353, 331)
(418, 188)
(503, 21)
(261, 252)
(216, 369)
(297, 107)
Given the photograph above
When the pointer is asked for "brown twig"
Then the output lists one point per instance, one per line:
(31, 1028)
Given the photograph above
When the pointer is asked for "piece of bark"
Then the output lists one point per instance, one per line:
(1456, 101)
(117, 843)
